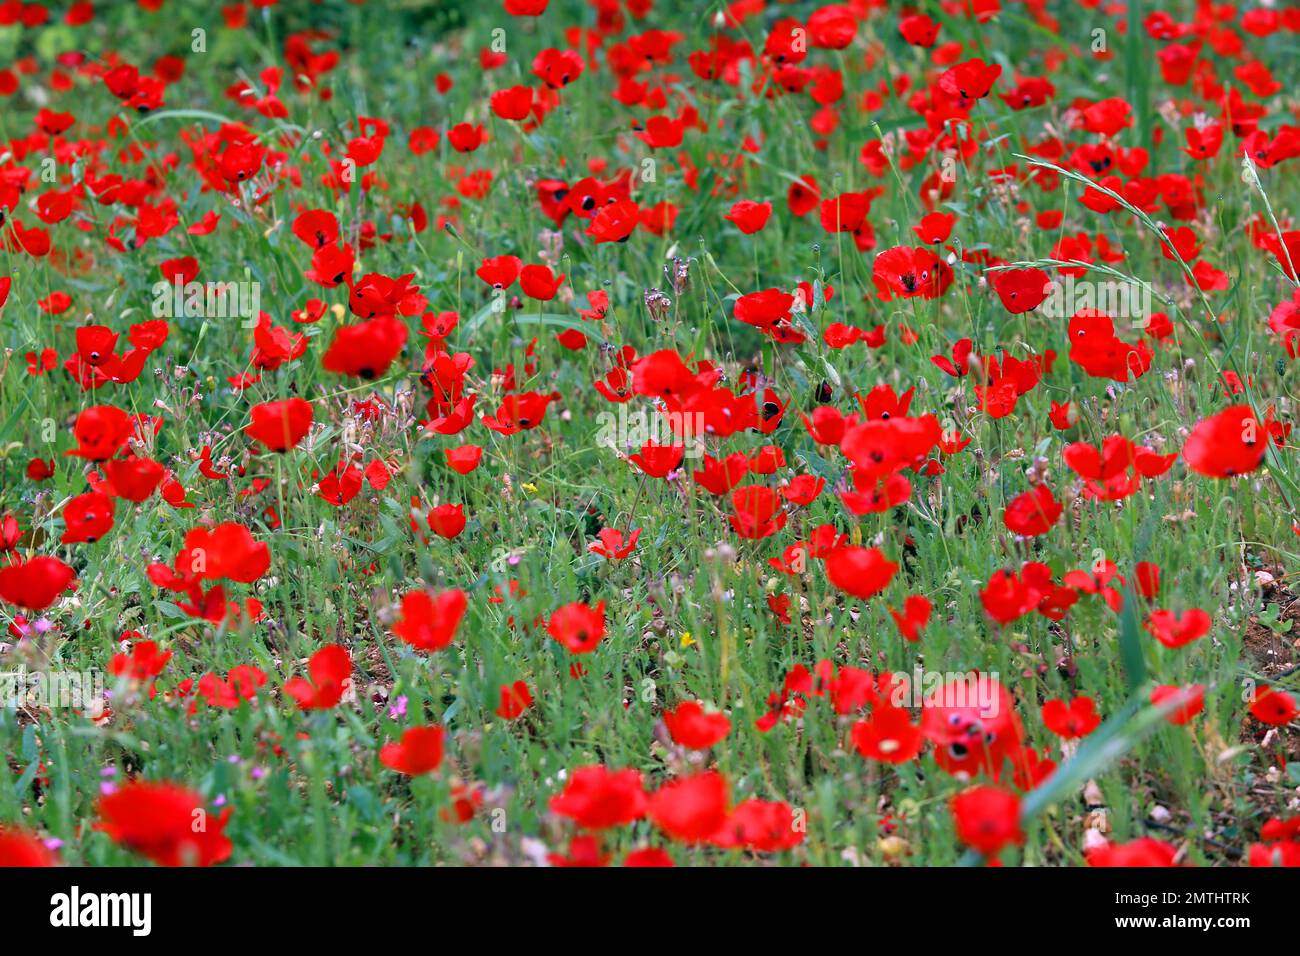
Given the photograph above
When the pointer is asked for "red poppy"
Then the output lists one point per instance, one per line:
(614, 222)
(1229, 443)
(100, 432)
(165, 822)
(761, 826)
(1173, 630)
(584, 851)
(598, 799)
(1077, 718)
(691, 809)
(758, 512)
(227, 551)
(279, 426)
(1063, 415)
(972, 722)
(447, 520)
(134, 478)
(719, 477)
(1032, 513)
(905, 272)
(36, 583)
(367, 349)
(803, 196)
(515, 699)
(331, 265)
(748, 216)
(1148, 579)
(521, 411)
(465, 138)
(1183, 703)
(429, 622)
(612, 545)
(648, 857)
(915, 616)
(1009, 595)
(1286, 249)
(537, 282)
(514, 103)
(145, 662)
(1021, 290)
(241, 684)
(526, 8)
(95, 344)
(19, 848)
(934, 228)
(987, 819)
(1004, 379)
(768, 311)
(316, 227)
(888, 735)
(1274, 707)
(662, 374)
(826, 426)
(656, 460)
(1099, 352)
(558, 68)
(87, 518)
(1144, 851)
(662, 132)
(341, 485)
(419, 752)
(378, 474)
(1107, 117)
(919, 30)
(691, 726)
(861, 572)
(970, 80)
(500, 272)
(463, 459)
(578, 626)
(837, 335)
(331, 670)
(803, 489)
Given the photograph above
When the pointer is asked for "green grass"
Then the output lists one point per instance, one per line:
(687, 615)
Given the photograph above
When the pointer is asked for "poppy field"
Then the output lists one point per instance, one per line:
(648, 433)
